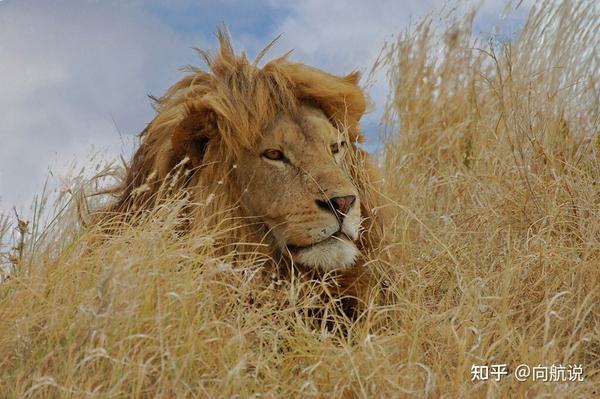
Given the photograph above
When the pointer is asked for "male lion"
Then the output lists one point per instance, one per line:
(276, 145)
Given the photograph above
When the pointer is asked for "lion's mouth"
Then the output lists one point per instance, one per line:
(337, 251)
(339, 236)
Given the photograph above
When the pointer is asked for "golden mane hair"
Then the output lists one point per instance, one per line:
(206, 118)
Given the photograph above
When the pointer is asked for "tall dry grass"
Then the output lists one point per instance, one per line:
(490, 161)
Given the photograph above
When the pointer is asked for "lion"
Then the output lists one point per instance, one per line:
(277, 144)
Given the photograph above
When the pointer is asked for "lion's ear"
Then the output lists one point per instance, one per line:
(191, 136)
(353, 77)
(340, 97)
(346, 105)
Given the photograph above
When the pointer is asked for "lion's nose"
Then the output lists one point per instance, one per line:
(339, 206)
(343, 204)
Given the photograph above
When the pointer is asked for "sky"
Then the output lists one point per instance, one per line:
(75, 74)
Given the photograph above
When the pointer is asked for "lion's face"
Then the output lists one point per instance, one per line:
(296, 182)
(296, 172)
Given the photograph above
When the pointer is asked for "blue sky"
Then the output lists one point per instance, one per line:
(75, 74)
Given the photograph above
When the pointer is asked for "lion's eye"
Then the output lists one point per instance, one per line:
(335, 148)
(274, 155)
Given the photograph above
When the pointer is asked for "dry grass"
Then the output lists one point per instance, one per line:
(491, 162)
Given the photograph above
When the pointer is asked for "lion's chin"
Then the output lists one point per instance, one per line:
(331, 254)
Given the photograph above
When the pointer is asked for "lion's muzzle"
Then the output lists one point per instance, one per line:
(332, 245)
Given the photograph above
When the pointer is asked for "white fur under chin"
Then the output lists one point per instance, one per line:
(332, 254)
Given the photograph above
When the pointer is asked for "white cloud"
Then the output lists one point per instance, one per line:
(73, 74)
(340, 36)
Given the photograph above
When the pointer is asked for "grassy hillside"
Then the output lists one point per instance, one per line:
(490, 160)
